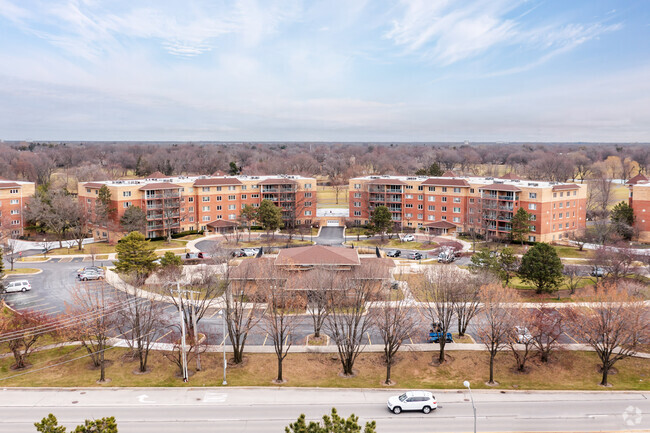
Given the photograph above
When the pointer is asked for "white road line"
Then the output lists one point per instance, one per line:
(265, 337)
(163, 336)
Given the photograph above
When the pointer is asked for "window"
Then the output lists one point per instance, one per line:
(206, 217)
(357, 213)
(456, 210)
(554, 195)
(432, 208)
(409, 186)
(206, 209)
(456, 199)
(408, 205)
(190, 209)
(566, 215)
(232, 206)
(471, 200)
(205, 199)
(420, 216)
(232, 188)
(444, 218)
(553, 227)
(531, 228)
(532, 206)
(457, 190)
(307, 195)
(127, 204)
(471, 190)
(554, 204)
(456, 219)
(532, 218)
(444, 189)
(432, 189)
(205, 189)
(420, 197)
(243, 196)
(408, 196)
(191, 219)
(568, 204)
(574, 192)
(88, 190)
(232, 216)
(15, 212)
(218, 188)
(88, 200)
(308, 186)
(255, 196)
(13, 201)
(15, 222)
(431, 217)
(432, 198)
(420, 206)
(357, 204)
(307, 204)
(409, 215)
(444, 209)
(444, 199)
(190, 199)
(561, 194)
(532, 195)
(13, 191)
(420, 188)
(561, 204)
(218, 208)
(218, 198)
(471, 210)
(531, 238)
(243, 187)
(560, 215)
(307, 213)
(126, 193)
(357, 186)
(232, 197)
(357, 195)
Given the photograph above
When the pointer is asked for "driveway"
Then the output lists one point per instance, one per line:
(331, 236)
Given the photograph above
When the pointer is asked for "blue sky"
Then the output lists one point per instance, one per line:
(421, 70)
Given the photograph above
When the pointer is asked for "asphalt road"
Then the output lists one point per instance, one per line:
(270, 410)
(332, 236)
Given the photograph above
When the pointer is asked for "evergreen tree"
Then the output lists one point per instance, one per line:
(135, 255)
(170, 259)
(333, 424)
(520, 225)
(432, 170)
(50, 424)
(542, 267)
(269, 216)
(233, 169)
(133, 220)
(248, 214)
(622, 218)
(381, 220)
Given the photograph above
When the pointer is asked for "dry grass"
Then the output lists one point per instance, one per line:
(20, 271)
(567, 370)
(105, 248)
(393, 243)
(326, 197)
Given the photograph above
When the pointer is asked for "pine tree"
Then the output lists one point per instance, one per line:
(542, 267)
(520, 225)
(135, 255)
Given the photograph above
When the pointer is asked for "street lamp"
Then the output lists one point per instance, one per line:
(466, 383)
(222, 314)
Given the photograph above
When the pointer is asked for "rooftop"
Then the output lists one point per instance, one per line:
(462, 181)
(199, 180)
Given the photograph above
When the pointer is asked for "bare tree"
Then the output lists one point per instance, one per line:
(572, 277)
(21, 330)
(616, 261)
(613, 324)
(95, 316)
(467, 302)
(519, 342)
(280, 320)
(10, 250)
(546, 325)
(439, 288)
(394, 321)
(497, 323)
(320, 282)
(140, 321)
(193, 348)
(346, 323)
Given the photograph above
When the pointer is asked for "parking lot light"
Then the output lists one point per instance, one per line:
(466, 383)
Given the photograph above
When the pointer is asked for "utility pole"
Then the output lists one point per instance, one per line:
(183, 354)
(196, 331)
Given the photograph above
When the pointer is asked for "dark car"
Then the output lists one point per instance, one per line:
(238, 253)
(393, 253)
(414, 256)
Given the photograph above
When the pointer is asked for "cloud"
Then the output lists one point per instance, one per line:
(446, 33)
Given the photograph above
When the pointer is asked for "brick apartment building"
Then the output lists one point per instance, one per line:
(14, 196)
(184, 203)
(449, 203)
(639, 201)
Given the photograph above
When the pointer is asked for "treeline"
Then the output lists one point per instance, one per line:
(100, 161)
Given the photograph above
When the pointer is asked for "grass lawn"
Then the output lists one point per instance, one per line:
(326, 197)
(105, 248)
(19, 271)
(393, 243)
(33, 259)
(567, 370)
(619, 193)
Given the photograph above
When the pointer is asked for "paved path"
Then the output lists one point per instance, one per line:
(262, 410)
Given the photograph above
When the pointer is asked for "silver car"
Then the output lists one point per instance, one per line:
(17, 286)
(90, 275)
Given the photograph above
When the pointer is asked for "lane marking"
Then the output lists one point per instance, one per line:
(368, 334)
(214, 397)
(143, 399)
(574, 340)
(163, 336)
(265, 337)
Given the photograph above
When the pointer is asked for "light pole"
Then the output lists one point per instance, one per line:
(222, 313)
(466, 383)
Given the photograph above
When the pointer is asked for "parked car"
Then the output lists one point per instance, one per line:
(414, 256)
(91, 269)
(434, 337)
(523, 334)
(413, 400)
(597, 271)
(393, 253)
(446, 257)
(90, 275)
(408, 238)
(17, 286)
(251, 252)
(238, 253)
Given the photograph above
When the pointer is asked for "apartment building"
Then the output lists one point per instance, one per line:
(14, 196)
(484, 204)
(200, 202)
(639, 201)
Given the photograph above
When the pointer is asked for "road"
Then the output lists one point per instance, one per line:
(263, 410)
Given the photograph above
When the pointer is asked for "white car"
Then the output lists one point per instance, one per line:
(408, 238)
(413, 400)
(523, 334)
(251, 252)
(17, 286)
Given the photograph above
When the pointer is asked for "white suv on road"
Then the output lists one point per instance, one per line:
(413, 400)
(17, 286)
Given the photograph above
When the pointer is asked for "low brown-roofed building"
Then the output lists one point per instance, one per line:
(222, 226)
(438, 181)
(449, 173)
(510, 176)
(317, 255)
(278, 181)
(214, 181)
(441, 227)
(158, 185)
(156, 175)
(387, 181)
(501, 187)
(639, 178)
(565, 187)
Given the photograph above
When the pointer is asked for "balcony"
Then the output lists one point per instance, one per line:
(154, 216)
(154, 206)
(507, 208)
(507, 197)
(162, 195)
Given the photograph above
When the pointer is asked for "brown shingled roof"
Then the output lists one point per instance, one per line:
(4, 185)
(565, 187)
(93, 185)
(441, 225)
(386, 181)
(449, 173)
(159, 185)
(501, 187)
(317, 255)
(156, 175)
(222, 223)
(278, 181)
(439, 181)
(510, 176)
(636, 179)
(217, 181)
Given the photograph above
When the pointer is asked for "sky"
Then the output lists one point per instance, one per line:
(332, 70)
